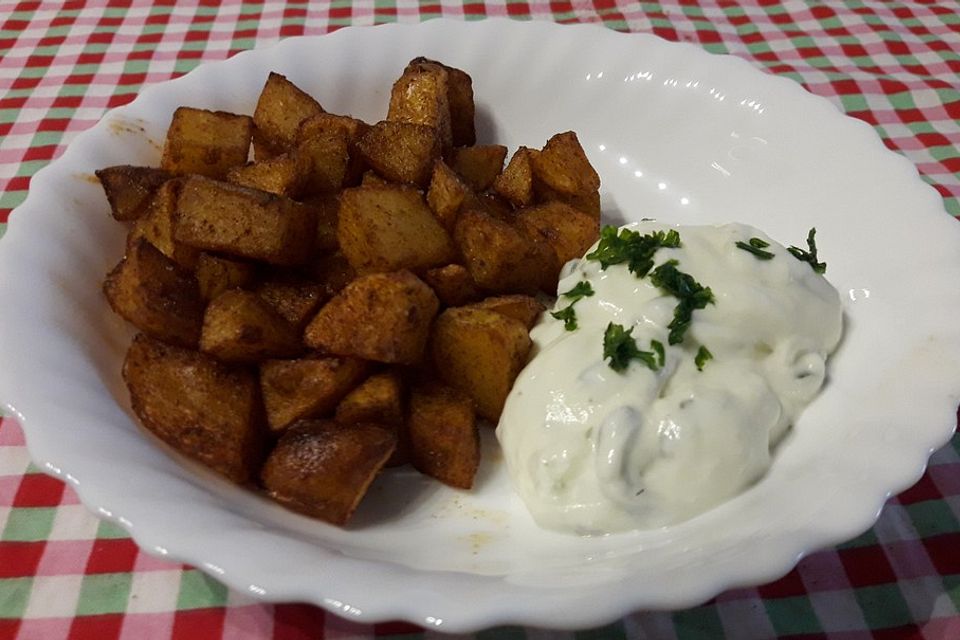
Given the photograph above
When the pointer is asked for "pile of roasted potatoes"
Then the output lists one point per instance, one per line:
(355, 297)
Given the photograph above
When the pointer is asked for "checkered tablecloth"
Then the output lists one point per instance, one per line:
(896, 65)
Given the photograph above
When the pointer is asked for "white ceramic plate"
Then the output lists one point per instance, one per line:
(676, 134)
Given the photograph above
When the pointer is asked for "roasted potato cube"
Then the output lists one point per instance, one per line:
(480, 352)
(332, 271)
(326, 207)
(525, 309)
(239, 326)
(499, 257)
(156, 296)
(129, 189)
(284, 175)
(563, 166)
(452, 284)
(446, 194)
(371, 179)
(203, 408)
(378, 399)
(306, 388)
(479, 166)
(420, 96)
(515, 183)
(218, 216)
(281, 108)
(443, 434)
(401, 151)
(568, 231)
(390, 228)
(323, 469)
(208, 143)
(324, 124)
(157, 224)
(588, 203)
(296, 299)
(460, 99)
(329, 159)
(383, 317)
(216, 274)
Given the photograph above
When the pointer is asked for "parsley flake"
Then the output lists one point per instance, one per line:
(657, 347)
(567, 314)
(691, 294)
(580, 290)
(569, 317)
(756, 246)
(621, 348)
(703, 355)
(631, 247)
(809, 256)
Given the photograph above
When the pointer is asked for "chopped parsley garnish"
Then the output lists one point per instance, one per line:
(809, 256)
(631, 247)
(703, 354)
(756, 246)
(621, 348)
(567, 314)
(580, 290)
(691, 294)
(569, 317)
(657, 347)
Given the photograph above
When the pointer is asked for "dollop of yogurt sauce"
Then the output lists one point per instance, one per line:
(593, 450)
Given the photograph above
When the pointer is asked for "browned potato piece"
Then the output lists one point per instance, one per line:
(570, 232)
(383, 317)
(323, 469)
(420, 96)
(332, 271)
(284, 175)
(207, 143)
(378, 399)
(371, 179)
(401, 151)
(460, 99)
(526, 309)
(204, 409)
(588, 203)
(281, 108)
(501, 258)
(129, 189)
(515, 183)
(446, 194)
(157, 224)
(306, 388)
(156, 296)
(326, 206)
(443, 433)
(329, 160)
(222, 217)
(563, 166)
(452, 284)
(239, 326)
(330, 123)
(390, 228)
(297, 300)
(216, 274)
(479, 166)
(480, 352)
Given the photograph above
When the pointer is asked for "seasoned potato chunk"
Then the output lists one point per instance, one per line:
(216, 274)
(284, 175)
(480, 165)
(501, 258)
(452, 284)
(306, 388)
(129, 189)
(390, 228)
(568, 231)
(296, 299)
(332, 271)
(156, 296)
(239, 326)
(157, 224)
(326, 208)
(588, 202)
(460, 99)
(207, 143)
(378, 399)
(563, 166)
(515, 183)
(323, 469)
(480, 352)
(443, 434)
(324, 124)
(329, 162)
(204, 409)
(420, 96)
(371, 179)
(281, 108)
(446, 195)
(218, 216)
(383, 317)
(525, 309)
(401, 151)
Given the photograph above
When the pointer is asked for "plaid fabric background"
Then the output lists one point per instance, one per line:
(896, 65)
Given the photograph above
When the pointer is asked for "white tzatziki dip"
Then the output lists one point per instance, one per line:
(656, 430)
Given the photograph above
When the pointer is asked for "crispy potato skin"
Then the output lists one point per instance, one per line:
(156, 296)
(281, 108)
(207, 143)
(240, 327)
(563, 166)
(480, 352)
(204, 409)
(306, 388)
(525, 309)
(516, 182)
(384, 317)
(323, 469)
(129, 189)
(459, 99)
(443, 434)
(568, 231)
(420, 96)
(401, 151)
